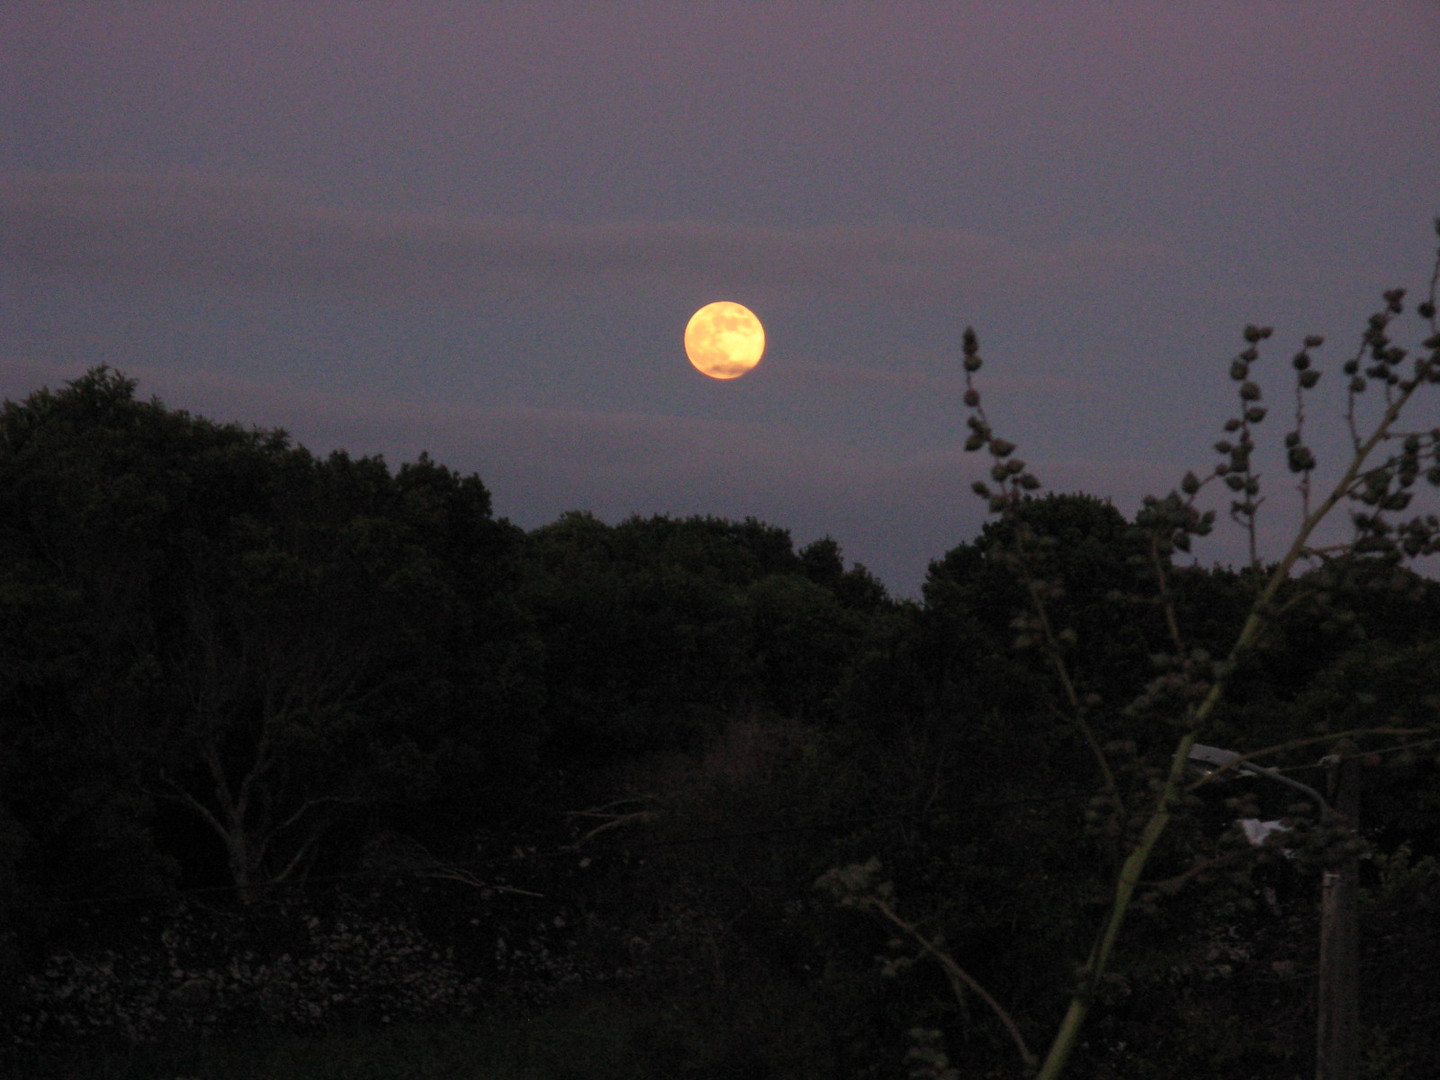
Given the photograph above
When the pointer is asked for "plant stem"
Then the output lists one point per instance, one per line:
(1134, 865)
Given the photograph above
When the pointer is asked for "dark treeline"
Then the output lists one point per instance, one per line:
(227, 664)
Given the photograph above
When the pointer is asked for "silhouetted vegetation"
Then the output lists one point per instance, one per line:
(319, 749)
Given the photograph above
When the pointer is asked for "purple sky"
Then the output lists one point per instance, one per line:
(479, 230)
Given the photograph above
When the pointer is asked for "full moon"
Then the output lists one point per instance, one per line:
(724, 340)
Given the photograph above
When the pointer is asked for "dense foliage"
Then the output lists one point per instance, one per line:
(288, 742)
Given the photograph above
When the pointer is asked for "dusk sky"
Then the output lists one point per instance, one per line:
(479, 230)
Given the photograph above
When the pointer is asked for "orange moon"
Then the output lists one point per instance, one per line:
(724, 340)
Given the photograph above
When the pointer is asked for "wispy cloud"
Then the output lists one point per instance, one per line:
(158, 230)
(848, 376)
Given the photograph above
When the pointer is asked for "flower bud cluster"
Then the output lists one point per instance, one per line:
(1010, 473)
(1236, 470)
(1173, 520)
(1385, 358)
(856, 885)
(927, 1057)
(1298, 457)
(1181, 684)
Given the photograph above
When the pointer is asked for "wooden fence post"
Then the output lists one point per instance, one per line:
(1337, 1054)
